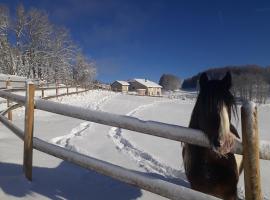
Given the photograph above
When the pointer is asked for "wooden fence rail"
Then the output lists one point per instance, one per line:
(168, 131)
(43, 89)
(159, 129)
(134, 178)
(172, 132)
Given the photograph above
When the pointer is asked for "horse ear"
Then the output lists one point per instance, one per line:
(203, 79)
(227, 80)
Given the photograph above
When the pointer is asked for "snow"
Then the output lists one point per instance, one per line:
(12, 77)
(4, 77)
(146, 181)
(147, 83)
(47, 92)
(57, 179)
(19, 81)
(123, 82)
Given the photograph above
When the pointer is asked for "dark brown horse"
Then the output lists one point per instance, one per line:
(213, 170)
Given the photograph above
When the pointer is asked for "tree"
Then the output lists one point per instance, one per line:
(250, 82)
(35, 41)
(40, 49)
(169, 82)
(84, 70)
(6, 52)
(62, 55)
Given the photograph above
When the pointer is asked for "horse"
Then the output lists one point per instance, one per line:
(214, 170)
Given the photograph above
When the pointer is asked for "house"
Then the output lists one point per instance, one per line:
(120, 86)
(145, 87)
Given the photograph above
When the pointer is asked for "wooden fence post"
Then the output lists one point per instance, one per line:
(67, 87)
(8, 83)
(10, 112)
(8, 86)
(42, 84)
(251, 151)
(56, 89)
(28, 130)
(42, 92)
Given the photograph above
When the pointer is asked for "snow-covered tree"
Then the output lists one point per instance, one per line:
(40, 49)
(35, 42)
(84, 70)
(6, 53)
(62, 54)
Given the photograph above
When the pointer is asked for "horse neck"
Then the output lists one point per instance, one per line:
(194, 120)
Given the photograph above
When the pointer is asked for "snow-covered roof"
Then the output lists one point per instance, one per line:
(123, 82)
(147, 83)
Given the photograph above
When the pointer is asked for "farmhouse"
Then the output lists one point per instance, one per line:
(145, 87)
(120, 86)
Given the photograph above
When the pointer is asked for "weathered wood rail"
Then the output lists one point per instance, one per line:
(168, 131)
(40, 87)
(9, 88)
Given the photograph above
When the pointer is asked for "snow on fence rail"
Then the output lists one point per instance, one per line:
(9, 88)
(147, 182)
(159, 129)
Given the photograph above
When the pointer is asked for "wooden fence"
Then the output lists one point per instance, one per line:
(40, 87)
(173, 132)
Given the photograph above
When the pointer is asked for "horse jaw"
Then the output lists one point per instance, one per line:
(225, 137)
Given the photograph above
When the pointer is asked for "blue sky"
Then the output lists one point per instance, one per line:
(144, 39)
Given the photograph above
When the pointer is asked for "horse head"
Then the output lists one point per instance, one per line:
(214, 107)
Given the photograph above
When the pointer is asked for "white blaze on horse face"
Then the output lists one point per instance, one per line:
(224, 127)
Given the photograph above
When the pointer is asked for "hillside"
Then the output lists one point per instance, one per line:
(250, 82)
(241, 70)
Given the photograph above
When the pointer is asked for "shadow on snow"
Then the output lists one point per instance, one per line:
(65, 181)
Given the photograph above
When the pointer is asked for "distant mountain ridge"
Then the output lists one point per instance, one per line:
(236, 70)
(249, 82)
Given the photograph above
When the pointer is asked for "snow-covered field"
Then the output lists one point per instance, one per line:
(57, 179)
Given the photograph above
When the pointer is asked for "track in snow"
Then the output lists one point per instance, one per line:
(142, 158)
(65, 141)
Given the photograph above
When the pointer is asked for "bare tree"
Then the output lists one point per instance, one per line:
(84, 71)
(7, 62)
(41, 49)
(62, 54)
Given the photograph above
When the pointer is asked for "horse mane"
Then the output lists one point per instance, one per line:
(213, 170)
(206, 98)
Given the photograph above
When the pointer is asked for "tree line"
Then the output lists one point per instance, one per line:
(250, 82)
(33, 47)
